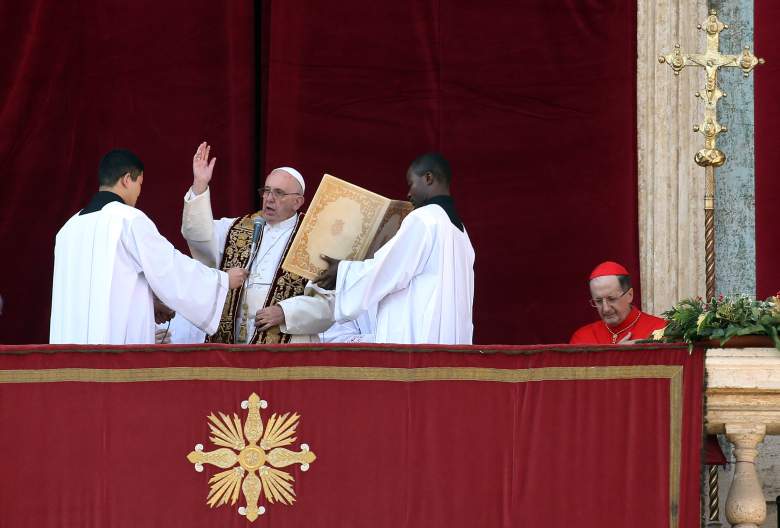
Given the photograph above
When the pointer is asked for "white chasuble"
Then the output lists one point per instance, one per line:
(421, 282)
(107, 266)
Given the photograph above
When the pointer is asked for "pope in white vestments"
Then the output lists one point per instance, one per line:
(262, 311)
(422, 280)
(110, 261)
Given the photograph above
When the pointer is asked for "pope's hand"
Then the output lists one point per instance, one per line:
(627, 340)
(270, 316)
(202, 168)
(327, 278)
(236, 277)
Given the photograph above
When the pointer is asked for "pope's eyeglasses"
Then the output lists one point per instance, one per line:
(278, 193)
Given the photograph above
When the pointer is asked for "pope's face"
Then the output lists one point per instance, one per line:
(612, 303)
(277, 206)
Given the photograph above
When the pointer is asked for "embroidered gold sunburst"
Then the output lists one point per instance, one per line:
(249, 466)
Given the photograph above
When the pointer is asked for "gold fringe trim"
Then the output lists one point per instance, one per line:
(337, 373)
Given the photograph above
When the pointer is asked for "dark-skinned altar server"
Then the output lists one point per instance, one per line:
(421, 282)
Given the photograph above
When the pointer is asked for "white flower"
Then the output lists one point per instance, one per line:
(657, 335)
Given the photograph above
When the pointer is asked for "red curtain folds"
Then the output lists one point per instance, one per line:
(767, 115)
(436, 436)
(80, 78)
(532, 101)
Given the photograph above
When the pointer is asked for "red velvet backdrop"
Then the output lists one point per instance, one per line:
(767, 115)
(532, 101)
(404, 437)
(80, 78)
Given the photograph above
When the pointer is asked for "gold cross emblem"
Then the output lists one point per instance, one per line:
(252, 467)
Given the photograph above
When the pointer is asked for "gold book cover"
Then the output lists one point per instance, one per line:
(344, 221)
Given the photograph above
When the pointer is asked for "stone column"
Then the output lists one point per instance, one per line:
(745, 506)
(671, 185)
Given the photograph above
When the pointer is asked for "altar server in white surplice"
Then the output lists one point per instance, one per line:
(110, 262)
(421, 280)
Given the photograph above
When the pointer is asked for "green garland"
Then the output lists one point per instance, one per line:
(692, 320)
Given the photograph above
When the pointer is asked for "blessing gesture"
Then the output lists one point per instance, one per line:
(202, 168)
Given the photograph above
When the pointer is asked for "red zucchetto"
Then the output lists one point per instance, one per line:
(608, 268)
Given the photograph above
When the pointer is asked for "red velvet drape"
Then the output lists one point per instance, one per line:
(532, 101)
(767, 115)
(80, 78)
(412, 437)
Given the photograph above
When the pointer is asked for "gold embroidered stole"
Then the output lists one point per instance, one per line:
(284, 286)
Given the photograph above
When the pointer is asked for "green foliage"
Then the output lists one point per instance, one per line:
(692, 320)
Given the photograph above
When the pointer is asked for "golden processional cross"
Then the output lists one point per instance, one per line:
(710, 156)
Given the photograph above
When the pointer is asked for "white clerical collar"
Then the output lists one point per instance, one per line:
(284, 225)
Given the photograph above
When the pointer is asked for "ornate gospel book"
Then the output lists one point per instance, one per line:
(344, 221)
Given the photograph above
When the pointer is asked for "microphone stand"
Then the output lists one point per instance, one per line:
(244, 307)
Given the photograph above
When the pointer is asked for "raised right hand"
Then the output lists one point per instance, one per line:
(236, 277)
(202, 168)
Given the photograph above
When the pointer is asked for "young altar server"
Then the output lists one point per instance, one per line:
(110, 261)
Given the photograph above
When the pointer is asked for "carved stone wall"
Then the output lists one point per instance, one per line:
(671, 185)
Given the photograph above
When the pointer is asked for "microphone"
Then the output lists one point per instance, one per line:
(259, 223)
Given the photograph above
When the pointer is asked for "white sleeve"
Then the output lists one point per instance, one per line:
(347, 332)
(181, 331)
(361, 285)
(205, 236)
(310, 313)
(188, 287)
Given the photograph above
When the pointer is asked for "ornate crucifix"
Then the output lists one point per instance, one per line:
(710, 156)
